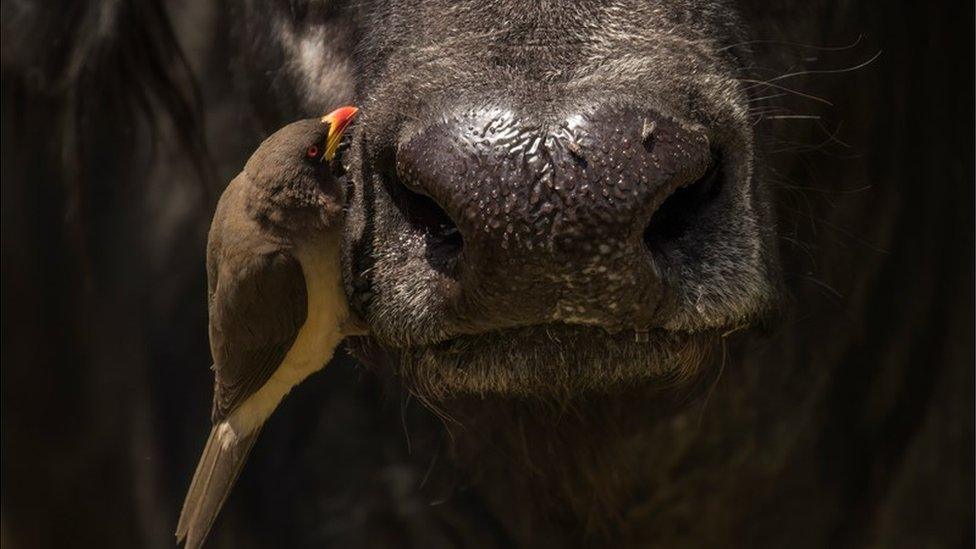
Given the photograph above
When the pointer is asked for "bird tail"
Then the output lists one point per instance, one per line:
(222, 460)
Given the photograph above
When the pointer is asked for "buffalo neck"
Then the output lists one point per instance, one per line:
(578, 471)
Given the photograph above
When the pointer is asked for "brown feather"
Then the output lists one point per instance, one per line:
(216, 473)
(257, 299)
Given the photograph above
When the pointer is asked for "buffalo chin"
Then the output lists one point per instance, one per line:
(556, 361)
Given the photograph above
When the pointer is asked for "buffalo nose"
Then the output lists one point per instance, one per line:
(548, 221)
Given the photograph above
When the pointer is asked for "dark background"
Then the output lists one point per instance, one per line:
(115, 147)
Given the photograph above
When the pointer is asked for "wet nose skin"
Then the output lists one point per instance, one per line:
(552, 216)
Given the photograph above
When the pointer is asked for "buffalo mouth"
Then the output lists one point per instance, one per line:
(558, 360)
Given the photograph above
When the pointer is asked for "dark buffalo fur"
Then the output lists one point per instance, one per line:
(846, 422)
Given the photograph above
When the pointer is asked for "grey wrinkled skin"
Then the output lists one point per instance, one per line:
(559, 73)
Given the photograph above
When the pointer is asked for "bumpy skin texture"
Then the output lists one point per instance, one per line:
(552, 219)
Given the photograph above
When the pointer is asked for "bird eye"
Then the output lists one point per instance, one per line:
(312, 151)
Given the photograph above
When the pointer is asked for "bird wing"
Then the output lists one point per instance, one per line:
(257, 302)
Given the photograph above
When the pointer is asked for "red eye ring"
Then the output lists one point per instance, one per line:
(312, 151)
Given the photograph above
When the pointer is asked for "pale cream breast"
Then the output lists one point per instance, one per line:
(313, 347)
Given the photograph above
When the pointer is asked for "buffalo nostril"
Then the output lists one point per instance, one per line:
(682, 208)
(441, 235)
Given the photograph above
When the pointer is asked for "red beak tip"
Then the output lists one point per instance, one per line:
(341, 115)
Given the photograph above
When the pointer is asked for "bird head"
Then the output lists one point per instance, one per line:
(291, 170)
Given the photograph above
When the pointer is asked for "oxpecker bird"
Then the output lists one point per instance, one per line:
(277, 307)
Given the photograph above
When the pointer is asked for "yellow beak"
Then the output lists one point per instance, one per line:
(338, 121)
